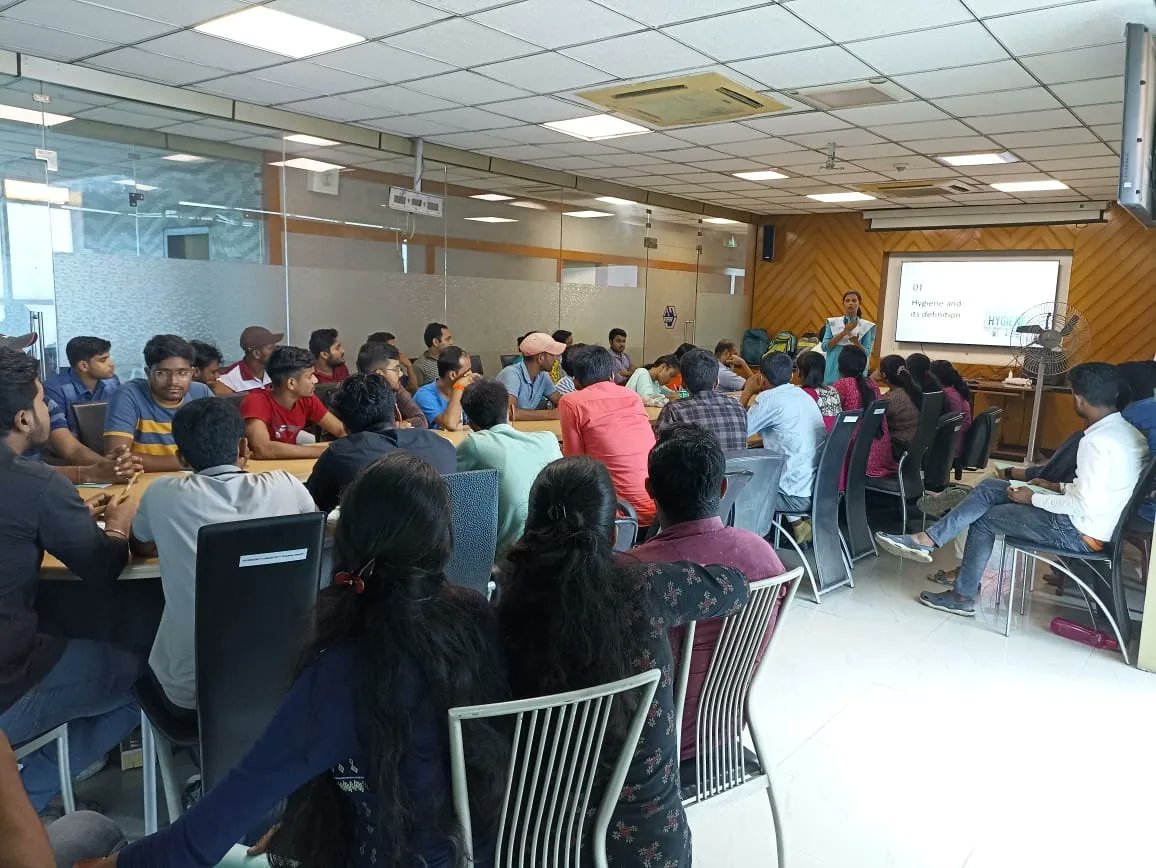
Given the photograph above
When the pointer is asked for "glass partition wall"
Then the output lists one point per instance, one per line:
(125, 220)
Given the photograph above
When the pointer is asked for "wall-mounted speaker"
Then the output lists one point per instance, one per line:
(768, 243)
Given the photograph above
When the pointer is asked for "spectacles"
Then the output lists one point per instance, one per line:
(171, 374)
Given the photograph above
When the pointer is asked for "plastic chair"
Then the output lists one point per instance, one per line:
(90, 424)
(474, 515)
(737, 481)
(556, 757)
(978, 442)
(63, 760)
(754, 509)
(1111, 560)
(719, 767)
(257, 586)
(940, 455)
(860, 540)
(627, 524)
(907, 484)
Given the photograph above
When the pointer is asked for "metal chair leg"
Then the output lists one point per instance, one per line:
(1011, 595)
(64, 764)
(149, 757)
(802, 557)
(1088, 592)
(169, 784)
(1025, 585)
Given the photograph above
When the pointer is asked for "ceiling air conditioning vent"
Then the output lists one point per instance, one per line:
(853, 95)
(692, 99)
(917, 189)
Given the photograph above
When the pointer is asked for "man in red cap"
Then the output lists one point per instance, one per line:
(529, 382)
(257, 343)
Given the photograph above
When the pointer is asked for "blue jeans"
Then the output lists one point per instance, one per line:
(90, 689)
(987, 513)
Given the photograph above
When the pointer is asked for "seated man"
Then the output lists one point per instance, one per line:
(437, 339)
(518, 456)
(276, 418)
(623, 366)
(207, 364)
(46, 680)
(566, 384)
(384, 359)
(733, 370)
(789, 421)
(141, 412)
(328, 356)
(92, 377)
(609, 423)
(257, 345)
(650, 383)
(210, 437)
(528, 380)
(1081, 516)
(365, 404)
(687, 481)
(706, 407)
(441, 400)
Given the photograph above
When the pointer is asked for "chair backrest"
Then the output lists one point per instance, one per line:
(869, 426)
(912, 468)
(474, 515)
(507, 360)
(557, 752)
(324, 392)
(718, 710)
(938, 459)
(476, 365)
(256, 588)
(737, 481)
(90, 424)
(981, 437)
(755, 507)
(627, 525)
(1140, 493)
(833, 457)
(236, 399)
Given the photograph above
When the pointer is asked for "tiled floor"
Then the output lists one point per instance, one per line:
(908, 738)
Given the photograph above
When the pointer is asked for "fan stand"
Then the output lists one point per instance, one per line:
(1031, 453)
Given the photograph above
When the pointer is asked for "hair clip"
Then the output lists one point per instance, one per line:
(902, 370)
(556, 512)
(355, 580)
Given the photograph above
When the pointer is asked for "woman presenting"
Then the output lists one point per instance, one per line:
(849, 330)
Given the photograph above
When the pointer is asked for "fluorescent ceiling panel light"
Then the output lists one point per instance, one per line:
(990, 159)
(128, 182)
(31, 116)
(1029, 186)
(533, 206)
(841, 197)
(492, 197)
(720, 221)
(308, 165)
(32, 191)
(303, 139)
(492, 219)
(594, 128)
(206, 205)
(585, 215)
(762, 175)
(614, 200)
(185, 158)
(279, 32)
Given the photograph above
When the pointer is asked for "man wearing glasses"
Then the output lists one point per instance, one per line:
(385, 359)
(141, 411)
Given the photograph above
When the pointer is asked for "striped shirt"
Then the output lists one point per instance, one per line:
(134, 411)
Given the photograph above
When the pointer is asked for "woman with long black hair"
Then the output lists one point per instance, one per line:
(903, 402)
(572, 617)
(956, 395)
(919, 366)
(857, 392)
(360, 744)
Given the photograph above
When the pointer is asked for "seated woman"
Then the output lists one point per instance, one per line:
(359, 746)
(856, 392)
(956, 395)
(571, 617)
(919, 366)
(903, 402)
(812, 370)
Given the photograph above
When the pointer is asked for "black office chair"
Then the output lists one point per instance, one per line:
(508, 360)
(476, 365)
(978, 442)
(324, 392)
(627, 524)
(860, 540)
(754, 508)
(938, 459)
(907, 484)
(737, 481)
(236, 399)
(474, 514)
(90, 424)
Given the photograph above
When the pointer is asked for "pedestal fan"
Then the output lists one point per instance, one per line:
(1049, 340)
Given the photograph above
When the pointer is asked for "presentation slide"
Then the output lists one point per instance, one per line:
(971, 302)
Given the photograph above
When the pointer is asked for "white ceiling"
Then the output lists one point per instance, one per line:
(1042, 79)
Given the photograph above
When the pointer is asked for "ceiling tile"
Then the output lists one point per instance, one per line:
(800, 158)
(1092, 174)
(1090, 92)
(646, 142)
(966, 80)
(1103, 113)
(381, 62)
(1107, 132)
(553, 25)
(461, 43)
(197, 47)
(1039, 138)
(734, 164)
(888, 164)
(545, 73)
(1079, 163)
(320, 79)
(870, 152)
(849, 137)
(955, 145)
(1024, 121)
(1072, 26)
(517, 152)
(987, 8)
(333, 108)
(183, 14)
(925, 130)
(845, 20)
(470, 119)
(109, 115)
(249, 88)
(796, 69)
(670, 11)
(691, 155)
(364, 17)
(1083, 63)
(404, 126)
(891, 113)
(766, 147)
(467, 88)
(51, 44)
(642, 54)
(806, 122)
(751, 33)
(88, 20)
(569, 164)
(1000, 102)
(621, 159)
(958, 45)
(714, 134)
(531, 134)
(540, 110)
(397, 100)
(154, 67)
(463, 7)
(1063, 152)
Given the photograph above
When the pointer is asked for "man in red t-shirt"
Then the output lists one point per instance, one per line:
(328, 356)
(276, 417)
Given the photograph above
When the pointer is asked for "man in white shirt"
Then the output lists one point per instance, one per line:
(1080, 516)
(733, 370)
(249, 374)
(210, 437)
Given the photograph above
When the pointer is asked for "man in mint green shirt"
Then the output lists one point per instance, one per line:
(518, 456)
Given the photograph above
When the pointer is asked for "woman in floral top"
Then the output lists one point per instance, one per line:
(856, 392)
(571, 617)
(812, 369)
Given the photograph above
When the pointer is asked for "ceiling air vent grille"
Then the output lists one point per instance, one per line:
(917, 189)
(693, 99)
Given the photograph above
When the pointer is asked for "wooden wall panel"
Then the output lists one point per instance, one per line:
(820, 256)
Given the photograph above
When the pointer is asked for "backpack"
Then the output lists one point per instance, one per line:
(808, 341)
(783, 342)
(754, 346)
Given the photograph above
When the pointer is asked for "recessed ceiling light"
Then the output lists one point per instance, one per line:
(721, 221)
(596, 127)
(586, 214)
(279, 32)
(303, 139)
(614, 200)
(533, 206)
(492, 197)
(491, 219)
(31, 116)
(32, 191)
(128, 182)
(979, 159)
(186, 158)
(841, 197)
(308, 165)
(1029, 186)
(762, 175)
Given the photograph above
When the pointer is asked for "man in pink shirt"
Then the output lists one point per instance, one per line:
(608, 422)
